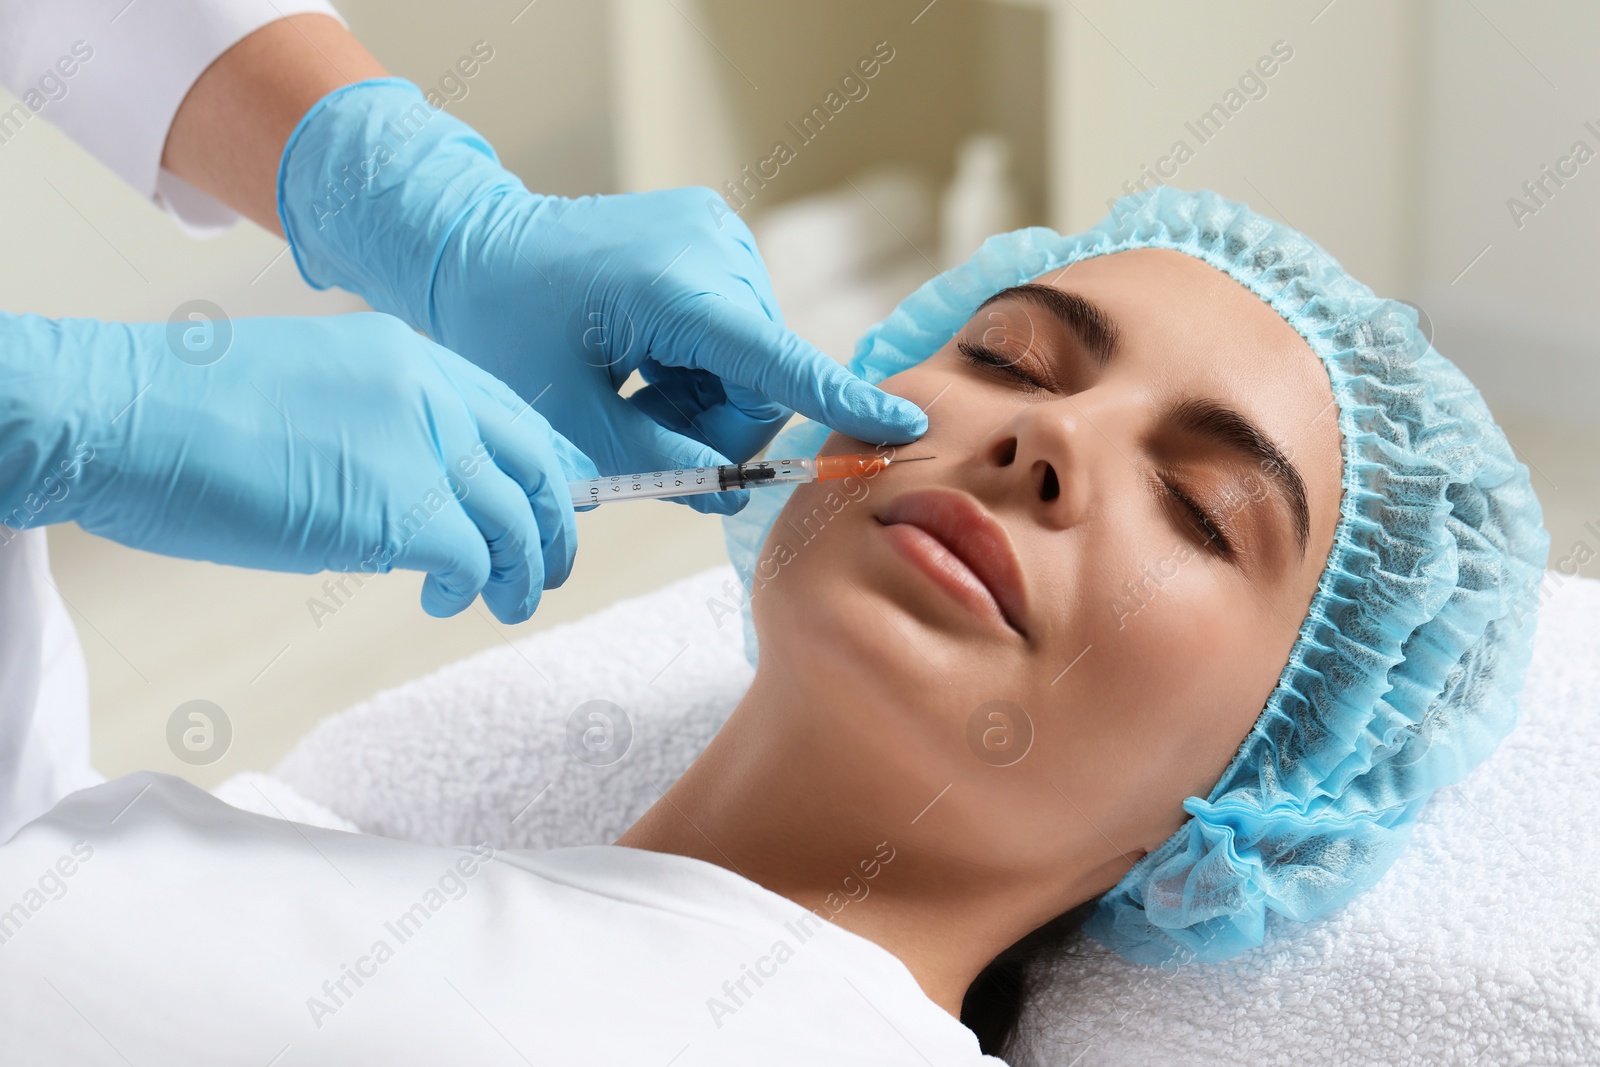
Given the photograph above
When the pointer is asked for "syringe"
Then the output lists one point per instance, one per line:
(688, 481)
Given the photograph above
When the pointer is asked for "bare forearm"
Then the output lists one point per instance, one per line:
(229, 132)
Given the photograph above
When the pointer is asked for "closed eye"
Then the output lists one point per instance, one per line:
(983, 356)
(1208, 530)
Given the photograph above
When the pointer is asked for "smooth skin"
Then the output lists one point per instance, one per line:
(1139, 689)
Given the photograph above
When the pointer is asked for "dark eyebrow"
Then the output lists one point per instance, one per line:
(1211, 419)
(1094, 328)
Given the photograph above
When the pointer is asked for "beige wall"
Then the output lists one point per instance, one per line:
(544, 100)
(710, 87)
(1326, 147)
(1507, 99)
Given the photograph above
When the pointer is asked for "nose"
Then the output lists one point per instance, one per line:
(1043, 453)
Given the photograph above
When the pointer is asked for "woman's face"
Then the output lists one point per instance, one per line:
(1072, 615)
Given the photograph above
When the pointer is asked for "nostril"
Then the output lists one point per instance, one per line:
(1007, 453)
(1050, 487)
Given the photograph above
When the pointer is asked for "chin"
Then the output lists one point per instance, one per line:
(832, 630)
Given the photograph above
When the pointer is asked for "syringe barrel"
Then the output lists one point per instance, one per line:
(646, 485)
(689, 481)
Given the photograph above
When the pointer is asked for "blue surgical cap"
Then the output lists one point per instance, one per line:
(1407, 670)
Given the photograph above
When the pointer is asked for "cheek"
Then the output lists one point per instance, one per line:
(800, 592)
(1167, 698)
(962, 410)
(956, 397)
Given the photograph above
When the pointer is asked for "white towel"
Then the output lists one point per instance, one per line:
(1478, 947)
(478, 750)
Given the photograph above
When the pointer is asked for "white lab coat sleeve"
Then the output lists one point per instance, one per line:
(44, 687)
(112, 73)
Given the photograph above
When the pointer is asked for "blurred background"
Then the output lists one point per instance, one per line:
(1442, 151)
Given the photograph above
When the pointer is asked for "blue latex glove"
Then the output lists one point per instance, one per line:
(341, 443)
(562, 299)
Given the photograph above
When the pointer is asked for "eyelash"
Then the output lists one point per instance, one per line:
(983, 356)
(1209, 530)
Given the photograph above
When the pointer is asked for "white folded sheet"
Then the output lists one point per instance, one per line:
(1481, 945)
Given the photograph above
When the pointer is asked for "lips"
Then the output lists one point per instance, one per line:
(980, 546)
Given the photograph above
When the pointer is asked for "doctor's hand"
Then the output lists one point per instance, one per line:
(562, 299)
(345, 443)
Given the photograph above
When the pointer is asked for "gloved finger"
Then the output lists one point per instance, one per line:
(574, 463)
(577, 466)
(727, 503)
(505, 519)
(641, 444)
(725, 426)
(541, 462)
(744, 422)
(745, 348)
(697, 388)
(476, 384)
(675, 402)
(529, 441)
(448, 546)
(490, 400)
(493, 395)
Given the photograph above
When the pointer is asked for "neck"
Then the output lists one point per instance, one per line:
(791, 804)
